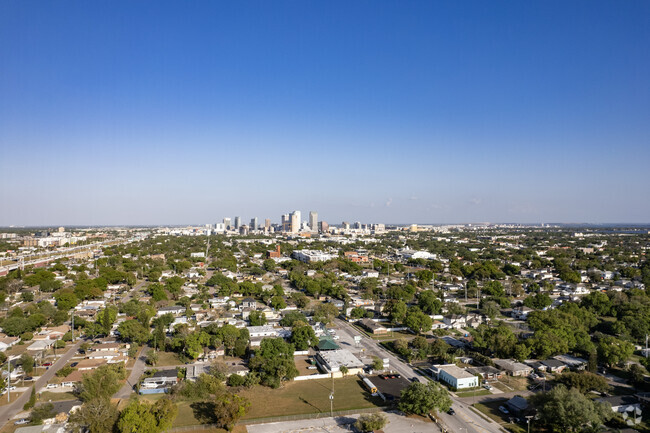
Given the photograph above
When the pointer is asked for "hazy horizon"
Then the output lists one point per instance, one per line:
(143, 114)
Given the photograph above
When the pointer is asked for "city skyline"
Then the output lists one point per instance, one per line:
(128, 114)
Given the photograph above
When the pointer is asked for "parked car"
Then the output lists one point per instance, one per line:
(28, 378)
(74, 364)
(47, 364)
(503, 409)
(22, 421)
(52, 385)
(488, 387)
(451, 411)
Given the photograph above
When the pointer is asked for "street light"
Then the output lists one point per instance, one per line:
(528, 418)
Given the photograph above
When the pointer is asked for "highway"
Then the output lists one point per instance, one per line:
(465, 420)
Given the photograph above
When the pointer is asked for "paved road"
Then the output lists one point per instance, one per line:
(465, 420)
(7, 412)
(136, 372)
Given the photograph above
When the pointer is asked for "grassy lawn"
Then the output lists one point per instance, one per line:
(294, 398)
(309, 396)
(476, 393)
(491, 410)
(510, 383)
(166, 359)
(56, 396)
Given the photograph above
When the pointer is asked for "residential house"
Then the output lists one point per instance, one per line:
(159, 382)
(513, 368)
(373, 327)
(517, 405)
(175, 310)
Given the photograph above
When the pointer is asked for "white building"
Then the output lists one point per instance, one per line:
(456, 377)
(308, 256)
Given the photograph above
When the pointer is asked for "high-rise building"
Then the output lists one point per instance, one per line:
(253, 224)
(346, 225)
(227, 223)
(295, 221)
(323, 227)
(313, 220)
(286, 223)
(237, 222)
(267, 224)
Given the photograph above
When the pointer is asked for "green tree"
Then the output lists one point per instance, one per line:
(303, 337)
(292, 317)
(421, 399)
(42, 412)
(140, 417)
(417, 321)
(325, 312)
(27, 362)
(106, 319)
(32, 400)
(133, 331)
(97, 416)
(377, 363)
(568, 410)
(274, 361)
(584, 381)
(278, 303)
(257, 318)
(369, 422)
(429, 303)
(101, 383)
(613, 351)
(229, 408)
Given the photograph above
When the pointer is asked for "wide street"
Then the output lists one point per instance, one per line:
(465, 420)
(7, 412)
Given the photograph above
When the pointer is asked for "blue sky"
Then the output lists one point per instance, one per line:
(185, 112)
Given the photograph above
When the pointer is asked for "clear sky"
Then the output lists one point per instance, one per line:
(143, 112)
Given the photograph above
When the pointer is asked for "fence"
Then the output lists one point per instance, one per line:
(279, 419)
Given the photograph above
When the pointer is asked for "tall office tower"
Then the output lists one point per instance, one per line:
(346, 225)
(357, 225)
(253, 224)
(237, 222)
(227, 223)
(286, 222)
(323, 227)
(267, 224)
(313, 221)
(295, 221)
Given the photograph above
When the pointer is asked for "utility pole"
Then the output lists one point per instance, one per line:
(72, 330)
(8, 381)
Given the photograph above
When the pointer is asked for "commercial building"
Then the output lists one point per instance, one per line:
(253, 224)
(237, 222)
(227, 222)
(333, 360)
(313, 221)
(323, 227)
(295, 221)
(456, 377)
(308, 256)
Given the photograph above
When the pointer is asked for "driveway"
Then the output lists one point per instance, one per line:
(7, 412)
(136, 372)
